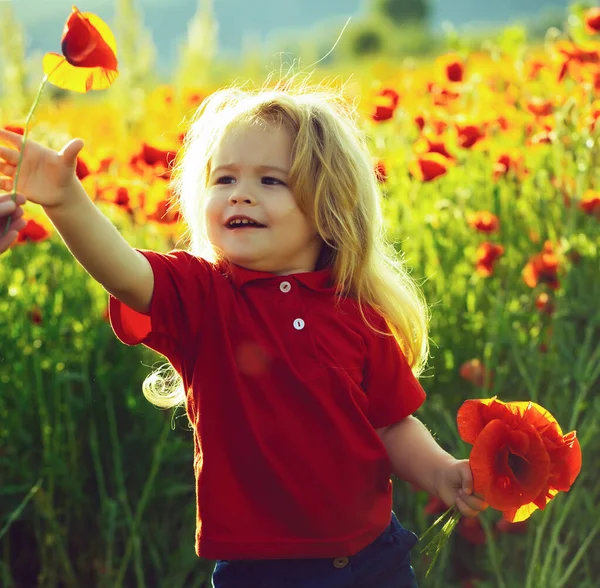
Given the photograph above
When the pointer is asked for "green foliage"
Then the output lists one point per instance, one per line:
(13, 75)
(378, 37)
(403, 12)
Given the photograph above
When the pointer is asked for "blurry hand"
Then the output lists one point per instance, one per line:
(9, 209)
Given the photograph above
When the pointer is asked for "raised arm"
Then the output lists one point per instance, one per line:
(101, 250)
(48, 178)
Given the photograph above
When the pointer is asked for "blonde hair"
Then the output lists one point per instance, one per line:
(334, 181)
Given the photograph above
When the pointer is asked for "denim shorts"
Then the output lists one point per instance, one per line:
(385, 563)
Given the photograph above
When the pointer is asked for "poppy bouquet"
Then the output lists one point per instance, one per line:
(520, 461)
(88, 62)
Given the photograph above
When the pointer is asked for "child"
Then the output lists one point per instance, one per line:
(294, 332)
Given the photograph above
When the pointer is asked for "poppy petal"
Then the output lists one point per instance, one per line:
(536, 415)
(103, 30)
(88, 42)
(77, 79)
(470, 418)
(510, 468)
(517, 515)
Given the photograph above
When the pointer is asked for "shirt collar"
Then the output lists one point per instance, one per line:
(319, 280)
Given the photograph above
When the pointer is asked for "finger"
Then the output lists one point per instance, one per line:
(8, 169)
(71, 150)
(474, 502)
(17, 223)
(7, 240)
(466, 478)
(6, 184)
(19, 199)
(7, 207)
(465, 509)
(9, 155)
(11, 138)
(18, 213)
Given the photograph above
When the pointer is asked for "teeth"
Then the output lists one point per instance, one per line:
(239, 221)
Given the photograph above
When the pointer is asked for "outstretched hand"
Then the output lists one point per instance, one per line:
(14, 210)
(455, 487)
(45, 176)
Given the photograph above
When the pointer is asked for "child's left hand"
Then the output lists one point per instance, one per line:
(455, 487)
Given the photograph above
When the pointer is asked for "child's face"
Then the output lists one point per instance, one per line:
(249, 177)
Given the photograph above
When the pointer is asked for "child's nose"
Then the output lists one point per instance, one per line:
(241, 195)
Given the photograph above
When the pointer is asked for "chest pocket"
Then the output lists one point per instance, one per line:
(339, 346)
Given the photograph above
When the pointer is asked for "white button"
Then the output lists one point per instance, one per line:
(298, 324)
(285, 286)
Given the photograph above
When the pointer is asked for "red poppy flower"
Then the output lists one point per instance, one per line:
(540, 107)
(592, 21)
(575, 55)
(470, 530)
(32, 232)
(542, 268)
(520, 458)
(586, 53)
(82, 169)
(486, 256)
(475, 372)
(484, 221)
(429, 166)
(165, 214)
(381, 172)
(590, 203)
(453, 67)
(440, 95)
(544, 137)
(468, 135)
(36, 316)
(507, 163)
(426, 145)
(533, 68)
(122, 198)
(88, 60)
(155, 156)
(385, 111)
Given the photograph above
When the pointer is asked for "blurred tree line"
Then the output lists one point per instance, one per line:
(395, 29)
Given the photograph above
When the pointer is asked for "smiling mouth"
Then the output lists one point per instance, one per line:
(245, 227)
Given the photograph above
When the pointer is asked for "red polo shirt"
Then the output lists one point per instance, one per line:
(285, 392)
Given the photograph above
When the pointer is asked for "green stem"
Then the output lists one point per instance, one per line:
(25, 133)
(580, 553)
(17, 512)
(493, 553)
(134, 537)
(534, 561)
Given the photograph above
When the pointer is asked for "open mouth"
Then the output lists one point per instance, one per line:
(244, 224)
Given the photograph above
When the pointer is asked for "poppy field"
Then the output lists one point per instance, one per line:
(487, 161)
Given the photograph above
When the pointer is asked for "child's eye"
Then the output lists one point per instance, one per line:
(225, 180)
(272, 181)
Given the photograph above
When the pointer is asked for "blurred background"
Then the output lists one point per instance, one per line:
(305, 28)
(482, 119)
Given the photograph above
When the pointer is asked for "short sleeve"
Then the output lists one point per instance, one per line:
(181, 288)
(392, 389)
